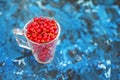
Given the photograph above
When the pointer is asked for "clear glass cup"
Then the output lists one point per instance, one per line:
(43, 52)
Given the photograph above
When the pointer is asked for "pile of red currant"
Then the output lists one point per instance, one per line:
(42, 30)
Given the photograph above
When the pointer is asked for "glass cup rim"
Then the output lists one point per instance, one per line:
(59, 30)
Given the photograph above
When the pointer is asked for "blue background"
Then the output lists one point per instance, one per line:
(89, 45)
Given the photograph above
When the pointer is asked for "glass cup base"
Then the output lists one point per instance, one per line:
(45, 61)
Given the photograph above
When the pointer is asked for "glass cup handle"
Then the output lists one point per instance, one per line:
(20, 38)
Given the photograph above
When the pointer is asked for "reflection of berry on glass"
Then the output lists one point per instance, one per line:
(42, 31)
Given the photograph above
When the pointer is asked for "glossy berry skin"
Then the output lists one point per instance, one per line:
(41, 31)
(41, 27)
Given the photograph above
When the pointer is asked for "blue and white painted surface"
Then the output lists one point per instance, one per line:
(89, 45)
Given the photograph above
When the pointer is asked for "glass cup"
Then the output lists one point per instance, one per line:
(43, 52)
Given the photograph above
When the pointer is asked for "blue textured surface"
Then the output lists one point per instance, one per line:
(89, 45)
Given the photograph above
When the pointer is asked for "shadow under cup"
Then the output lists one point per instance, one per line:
(43, 52)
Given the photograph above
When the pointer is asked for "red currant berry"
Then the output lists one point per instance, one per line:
(36, 19)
